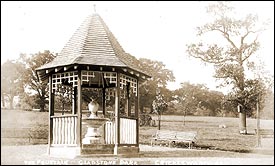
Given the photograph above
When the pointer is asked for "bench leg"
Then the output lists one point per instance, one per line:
(29, 137)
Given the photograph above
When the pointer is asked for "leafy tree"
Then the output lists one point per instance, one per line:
(31, 79)
(211, 101)
(197, 99)
(28, 101)
(186, 97)
(254, 91)
(231, 56)
(11, 84)
(160, 77)
(159, 106)
(268, 108)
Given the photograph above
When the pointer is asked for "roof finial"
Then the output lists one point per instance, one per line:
(94, 8)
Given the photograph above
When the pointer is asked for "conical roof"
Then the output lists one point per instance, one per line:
(94, 44)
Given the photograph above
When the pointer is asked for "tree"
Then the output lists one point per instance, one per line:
(160, 77)
(11, 81)
(240, 43)
(197, 99)
(254, 92)
(186, 98)
(268, 110)
(159, 106)
(210, 102)
(31, 79)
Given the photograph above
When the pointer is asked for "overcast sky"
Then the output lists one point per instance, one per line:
(155, 30)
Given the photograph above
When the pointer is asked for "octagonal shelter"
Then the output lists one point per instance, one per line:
(93, 65)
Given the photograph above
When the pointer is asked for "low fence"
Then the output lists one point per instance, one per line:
(64, 130)
(128, 131)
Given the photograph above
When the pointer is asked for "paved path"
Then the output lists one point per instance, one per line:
(36, 154)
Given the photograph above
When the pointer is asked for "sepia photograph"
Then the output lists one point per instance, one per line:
(137, 82)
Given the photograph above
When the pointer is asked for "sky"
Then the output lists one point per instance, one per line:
(157, 30)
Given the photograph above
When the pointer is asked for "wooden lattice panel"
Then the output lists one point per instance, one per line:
(109, 93)
(63, 89)
(87, 75)
(57, 78)
(133, 82)
(111, 77)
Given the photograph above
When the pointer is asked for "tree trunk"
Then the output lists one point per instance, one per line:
(141, 109)
(42, 105)
(159, 118)
(241, 101)
(3, 99)
(11, 101)
(242, 116)
(42, 99)
(184, 114)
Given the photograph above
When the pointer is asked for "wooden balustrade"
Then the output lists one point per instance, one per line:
(110, 133)
(128, 131)
(64, 130)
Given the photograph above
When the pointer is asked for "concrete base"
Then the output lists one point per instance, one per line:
(100, 149)
(109, 149)
(128, 150)
(96, 149)
(61, 151)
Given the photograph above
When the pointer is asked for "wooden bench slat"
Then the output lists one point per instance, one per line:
(174, 136)
(265, 131)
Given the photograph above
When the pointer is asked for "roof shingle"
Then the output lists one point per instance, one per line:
(94, 44)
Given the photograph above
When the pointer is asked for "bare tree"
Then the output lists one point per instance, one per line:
(232, 56)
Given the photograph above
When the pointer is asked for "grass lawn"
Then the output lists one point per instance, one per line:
(22, 119)
(15, 126)
(210, 136)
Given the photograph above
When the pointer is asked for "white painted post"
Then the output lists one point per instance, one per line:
(258, 125)
(117, 123)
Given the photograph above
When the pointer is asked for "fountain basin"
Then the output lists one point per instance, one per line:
(94, 122)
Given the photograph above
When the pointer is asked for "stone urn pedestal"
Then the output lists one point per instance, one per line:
(93, 135)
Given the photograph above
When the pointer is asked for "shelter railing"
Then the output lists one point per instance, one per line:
(110, 132)
(128, 131)
(64, 130)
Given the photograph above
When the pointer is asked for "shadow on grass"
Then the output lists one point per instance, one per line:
(181, 121)
(225, 149)
(201, 151)
(249, 134)
(233, 150)
(209, 147)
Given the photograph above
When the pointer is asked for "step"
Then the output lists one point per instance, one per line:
(97, 149)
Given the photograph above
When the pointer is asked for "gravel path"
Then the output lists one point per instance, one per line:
(37, 154)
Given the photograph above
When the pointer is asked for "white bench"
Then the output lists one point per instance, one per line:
(174, 137)
(266, 133)
(186, 137)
